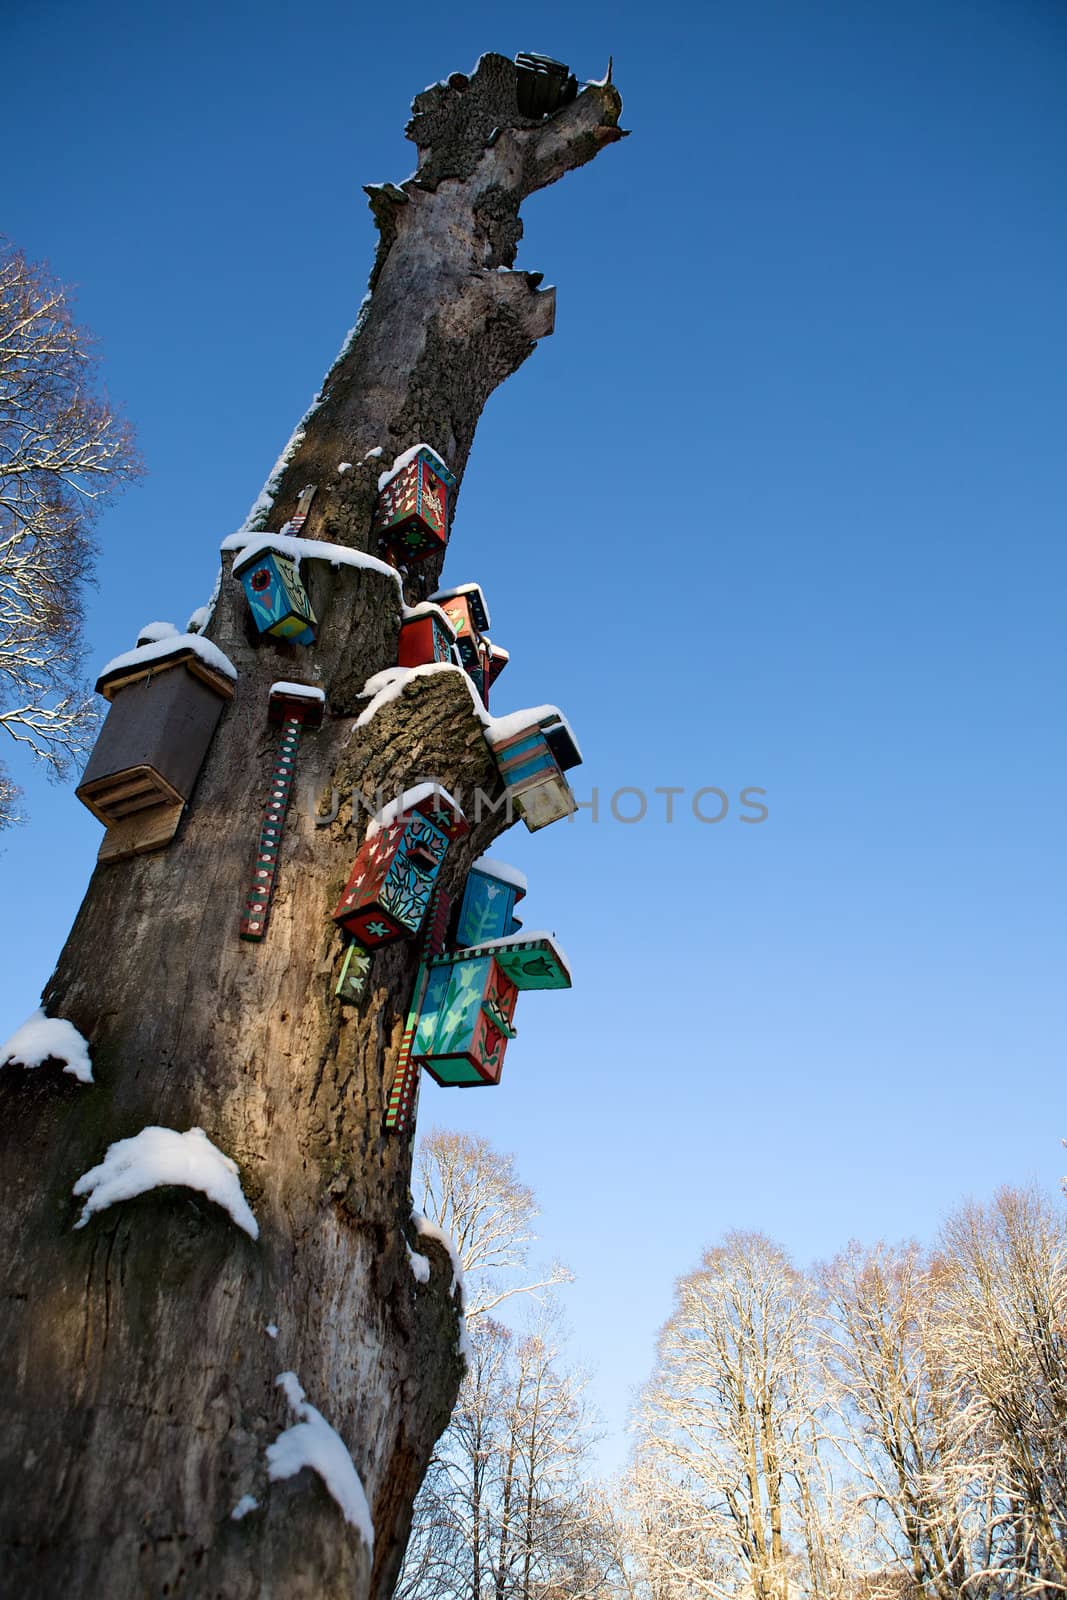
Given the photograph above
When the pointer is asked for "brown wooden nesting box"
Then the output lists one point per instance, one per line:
(148, 755)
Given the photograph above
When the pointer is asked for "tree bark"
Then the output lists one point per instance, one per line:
(139, 1378)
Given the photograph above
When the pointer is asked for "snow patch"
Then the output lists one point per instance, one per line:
(498, 729)
(312, 1442)
(271, 1330)
(209, 653)
(157, 1157)
(405, 459)
(247, 1503)
(344, 466)
(375, 453)
(426, 608)
(152, 632)
(42, 1039)
(389, 685)
(420, 1265)
(459, 593)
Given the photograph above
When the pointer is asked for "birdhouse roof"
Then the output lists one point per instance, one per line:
(202, 657)
(548, 719)
(428, 609)
(530, 960)
(472, 593)
(407, 802)
(491, 868)
(252, 546)
(407, 457)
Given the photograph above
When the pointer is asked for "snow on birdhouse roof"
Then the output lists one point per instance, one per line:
(254, 545)
(299, 691)
(406, 458)
(472, 593)
(428, 609)
(176, 645)
(500, 729)
(500, 869)
(407, 802)
(152, 632)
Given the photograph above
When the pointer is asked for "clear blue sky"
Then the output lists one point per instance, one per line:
(781, 503)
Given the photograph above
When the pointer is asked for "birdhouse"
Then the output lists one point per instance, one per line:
(355, 969)
(166, 700)
(292, 707)
(426, 635)
(276, 596)
(532, 751)
(488, 905)
(468, 613)
(543, 85)
(411, 515)
(389, 891)
(466, 1016)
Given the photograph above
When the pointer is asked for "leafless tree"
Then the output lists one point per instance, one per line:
(731, 1436)
(471, 1191)
(1001, 1309)
(63, 454)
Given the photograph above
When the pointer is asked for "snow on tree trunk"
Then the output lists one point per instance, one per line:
(142, 1352)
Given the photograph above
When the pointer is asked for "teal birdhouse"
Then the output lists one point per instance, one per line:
(466, 1018)
(277, 599)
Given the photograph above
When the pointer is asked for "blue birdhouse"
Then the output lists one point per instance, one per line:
(276, 596)
(488, 905)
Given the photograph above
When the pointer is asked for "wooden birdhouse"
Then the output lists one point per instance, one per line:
(468, 613)
(426, 635)
(532, 751)
(278, 600)
(411, 516)
(488, 905)
(166, 699)
(389, 891)
(467, 1014)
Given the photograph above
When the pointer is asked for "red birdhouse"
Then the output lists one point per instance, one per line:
(411, 517)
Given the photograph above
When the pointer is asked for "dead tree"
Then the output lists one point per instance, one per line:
(138, 1376)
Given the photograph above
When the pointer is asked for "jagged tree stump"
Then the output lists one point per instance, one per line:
(138, 1378)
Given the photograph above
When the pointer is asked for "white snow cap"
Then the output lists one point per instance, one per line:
(407, 802)
(157, 1157)
(298, 691)
(152, 632)
(501, 870)
(252, 545)
(42, 1039)
(247, 1503)
(311, 1442)
(209, 653)
(344, 466)
(500, 728)
(427, 609)
(271, 1330)
(403, 460)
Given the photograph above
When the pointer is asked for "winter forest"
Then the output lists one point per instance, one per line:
(616, 696)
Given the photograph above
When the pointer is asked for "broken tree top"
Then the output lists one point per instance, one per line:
(444, 300)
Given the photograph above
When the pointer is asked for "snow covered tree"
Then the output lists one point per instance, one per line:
(154, 1358)
(733, 1485)
(64, 454)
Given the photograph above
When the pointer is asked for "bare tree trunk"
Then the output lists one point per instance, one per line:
(138, 1376)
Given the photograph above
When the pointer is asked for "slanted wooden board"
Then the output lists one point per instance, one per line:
(140, 832)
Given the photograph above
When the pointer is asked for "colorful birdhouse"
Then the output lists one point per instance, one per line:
(166, 699)
(532, 751)
(488, 905)
(426, 635)
(276, 596)
(466, 1016)
(411, 515)
(389, 891)
(355, 969)
(468, 613)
